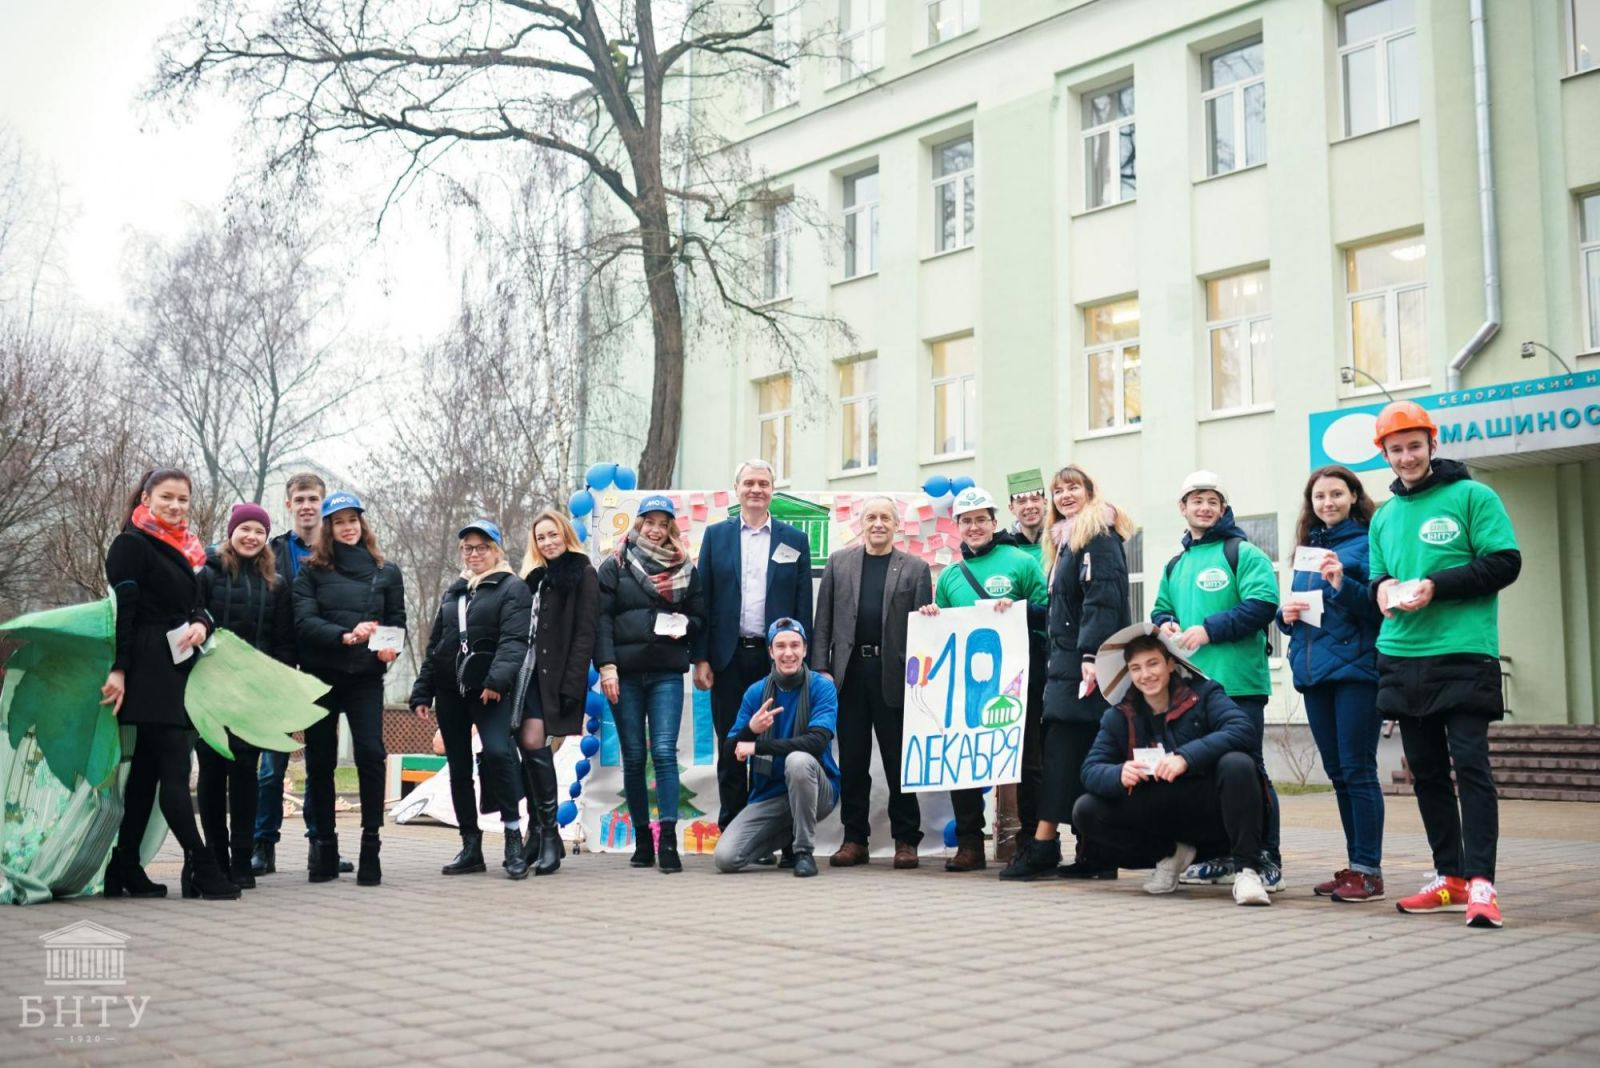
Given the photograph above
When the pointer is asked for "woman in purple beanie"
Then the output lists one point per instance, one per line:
(244, 594)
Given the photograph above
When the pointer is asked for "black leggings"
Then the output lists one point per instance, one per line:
(227, 788)
(160, 758)
(360, 698)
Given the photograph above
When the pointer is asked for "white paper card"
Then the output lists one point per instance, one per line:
(1149, 758)
(1308, 559)
(173, 635)
(1312, 612)
(1085, 688)
(1402, 592)
(672, 624)
(785, 554)
(390, 638)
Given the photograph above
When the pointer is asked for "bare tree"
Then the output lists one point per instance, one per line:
(610, 87)
(33, 215)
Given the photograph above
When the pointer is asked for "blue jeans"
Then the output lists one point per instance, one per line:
(1345, 725)
(653, 699)
(269, 798)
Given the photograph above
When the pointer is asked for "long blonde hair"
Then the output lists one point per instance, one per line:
(1093, 519)
(674, 536)
(533, 559)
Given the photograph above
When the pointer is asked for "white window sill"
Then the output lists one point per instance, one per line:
(1229, 174)
(1353, 392)
(773, 302)
(853, 79)
(1111, 432)
(1105, 207)
(1370, 133)
(758, 116)
(852, 472)
(941, 42)
(1237, 413)
(1580, 74)
(949, 457)
(856, 278)
(949, 252)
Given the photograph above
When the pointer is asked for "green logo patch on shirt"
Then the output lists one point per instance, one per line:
(1440, 530)
(1212, 579)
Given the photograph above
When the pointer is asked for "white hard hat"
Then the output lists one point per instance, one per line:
(972, 499)
(1202, 480)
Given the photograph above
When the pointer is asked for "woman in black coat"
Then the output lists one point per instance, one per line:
(469, 678)
(345, 591)
(152, 568)
(554, 682)
(1089, 602)
(244, 594)
(651, 608)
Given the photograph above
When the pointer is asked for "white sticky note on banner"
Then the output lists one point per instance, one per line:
(785, 554)
(1308, 559)
(392, 639)
(1312, 612)
(173, 637)
(1403, 592)
(1148, 758)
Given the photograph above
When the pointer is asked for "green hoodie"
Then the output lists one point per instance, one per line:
(1202, 589)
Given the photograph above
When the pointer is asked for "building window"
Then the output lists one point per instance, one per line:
(954, 194)
(1387, 293)
(1239, 334)
(776, 84)
(1583, 20)
(860, 37)
(858, 414)
(776, 253)
(1378, 64)
(1236, 108)
(1111, 352)
(861, 223)
(955, 396)
(1134, 552)
(773, 420)
(1108, 149)
(1589, 254)
(1262, 532)
(949, 18)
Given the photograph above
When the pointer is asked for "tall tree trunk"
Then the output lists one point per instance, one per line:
(660, 453)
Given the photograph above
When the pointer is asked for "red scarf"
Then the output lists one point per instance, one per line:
(180, 537)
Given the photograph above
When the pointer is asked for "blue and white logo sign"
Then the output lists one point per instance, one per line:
(1561, 412)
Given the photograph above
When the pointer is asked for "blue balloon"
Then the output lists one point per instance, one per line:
(936, 486)
(950, 839)
(592, 725)
(581, 768)
(567, 812)
(600, 476)
(594, 705)
(574, 790)
(985, 790)
(580, 504)
(594, 677)
(589, 746)
(963, 482)
(582, 532)
(627, 478)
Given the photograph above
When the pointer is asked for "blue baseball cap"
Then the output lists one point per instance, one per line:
(785, 625)
(657, 502)
(486, 527)
(339, 501)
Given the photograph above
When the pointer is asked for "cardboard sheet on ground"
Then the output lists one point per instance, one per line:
(966, 687)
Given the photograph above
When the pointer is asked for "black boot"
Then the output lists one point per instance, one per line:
(324, 861)
(644, 848)
(203, 878)
(540, 768)
(125, 876)
(668, 850)
(264, 860)
(1088, 862)
(470, 859)
(516, 862)
(369, 872)
(220, 851)
(240, 870)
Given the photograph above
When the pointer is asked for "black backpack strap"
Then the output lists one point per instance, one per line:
(1230, 552)
(983, 594)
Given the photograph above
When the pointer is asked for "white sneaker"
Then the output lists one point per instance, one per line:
(1165, 878)
(1248, 889)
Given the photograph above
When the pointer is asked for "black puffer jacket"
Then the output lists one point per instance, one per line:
(260, 614)
(1089, 602)
(328, 603)
(625, 633)
(498, 619)
(1200, 725)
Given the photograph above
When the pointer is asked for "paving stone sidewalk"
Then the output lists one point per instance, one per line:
(605, 965)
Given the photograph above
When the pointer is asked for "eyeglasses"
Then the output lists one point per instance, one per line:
(475, 548)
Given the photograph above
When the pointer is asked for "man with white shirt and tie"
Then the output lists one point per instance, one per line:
(755, 570)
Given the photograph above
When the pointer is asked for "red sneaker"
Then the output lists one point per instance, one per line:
(1326, 889)
(1483, 906)
(1357, 887)
(1447, 893)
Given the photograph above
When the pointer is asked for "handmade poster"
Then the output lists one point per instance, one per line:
(966, 688)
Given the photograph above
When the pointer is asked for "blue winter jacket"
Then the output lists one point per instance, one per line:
(1345, 647)
(1202, 725)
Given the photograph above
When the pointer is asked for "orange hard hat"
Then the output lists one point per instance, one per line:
(1403, 415)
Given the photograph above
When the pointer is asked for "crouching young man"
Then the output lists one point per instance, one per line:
(1172, 769)
(784, 731)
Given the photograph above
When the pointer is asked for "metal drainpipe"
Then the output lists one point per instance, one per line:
(1491, 238)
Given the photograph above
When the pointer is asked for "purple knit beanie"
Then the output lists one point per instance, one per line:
(245, 513)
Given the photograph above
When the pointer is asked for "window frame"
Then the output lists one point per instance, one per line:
(971, 445)
(864, 418)
(970, 16)
(1589, 274)
(1569, 11)
(1391, 320)
(776, 86)
(1237, 108)
(777, 228)
(1380, 45)
(784, 419)
(1278, 642)
(1134, 554)
(871, 209)
(1111, 127)
(966, 231)
(1117, 347)
(874, 33)
(1244, 323)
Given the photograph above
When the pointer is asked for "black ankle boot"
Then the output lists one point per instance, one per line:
(644, 849)
(203, 878)
(240, 870)
(668, 850)
(368, 871)
(264, 861)
(125, 876)
(540, 765)
(470, 859)
(516, 862)
(324, 861)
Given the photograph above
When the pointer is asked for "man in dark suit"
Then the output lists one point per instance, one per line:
(859, 641)
(755, 570)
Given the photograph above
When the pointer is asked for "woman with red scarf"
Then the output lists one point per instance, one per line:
(153, 569)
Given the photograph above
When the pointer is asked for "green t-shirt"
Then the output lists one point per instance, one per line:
(1414, 537)
(1034, 549)
(1200, 586)
(1003, 571)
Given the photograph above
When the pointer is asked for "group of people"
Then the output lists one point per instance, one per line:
(1145, 737)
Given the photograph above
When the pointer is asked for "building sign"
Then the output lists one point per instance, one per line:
(1517, 419)
(84, 952)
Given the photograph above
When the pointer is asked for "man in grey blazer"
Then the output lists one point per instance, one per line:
(859, 641)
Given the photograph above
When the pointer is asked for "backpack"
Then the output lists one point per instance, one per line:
(1230, 552)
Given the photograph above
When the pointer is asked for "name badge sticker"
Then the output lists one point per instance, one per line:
(785, 554)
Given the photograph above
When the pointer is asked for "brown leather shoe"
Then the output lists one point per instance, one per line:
(849, 855)
(969, 857)
(905, 855)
